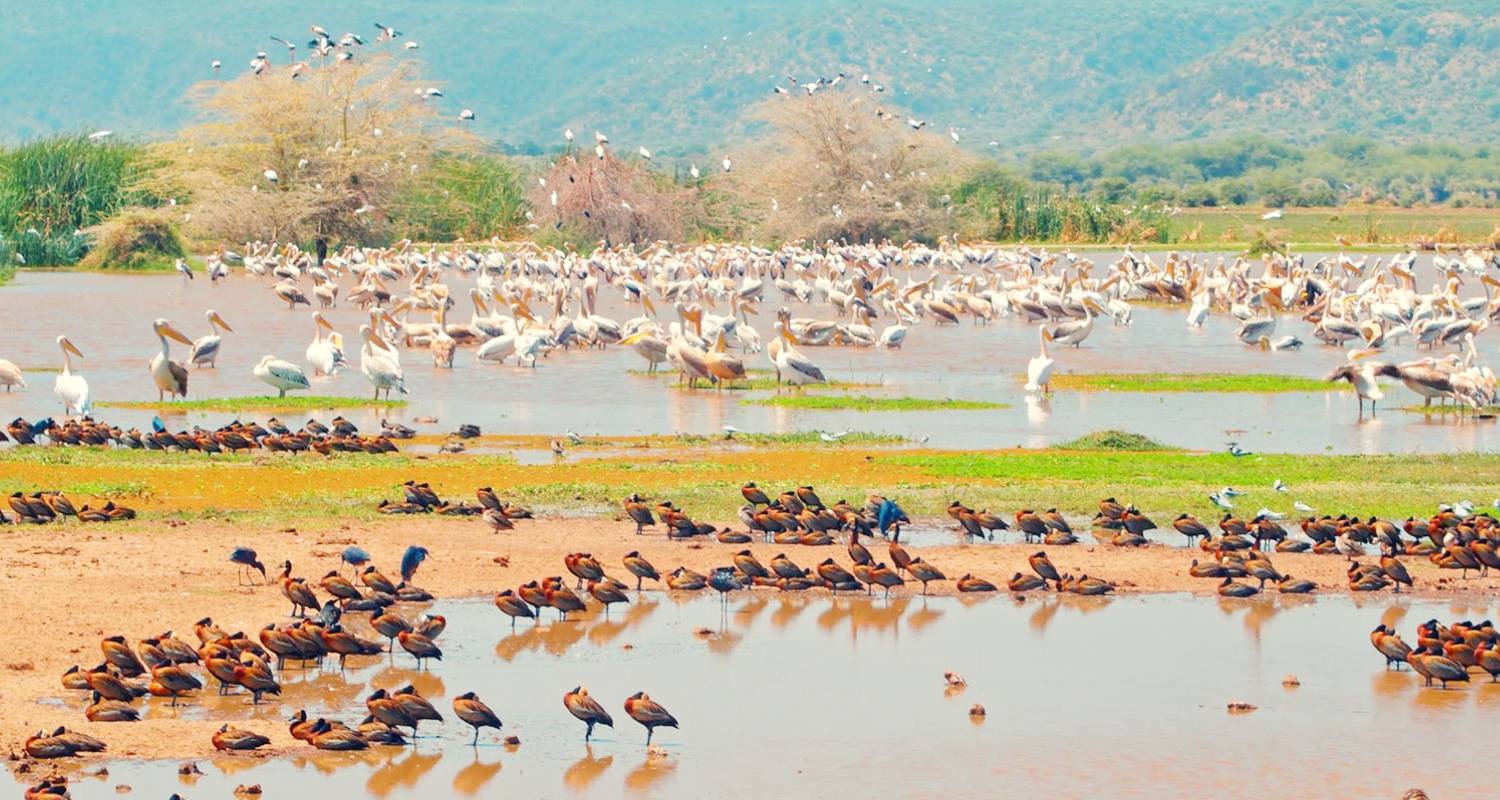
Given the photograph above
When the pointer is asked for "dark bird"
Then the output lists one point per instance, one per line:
(587, 709)
(723, 581)
(514, 607)
(1042, 566)
(922, 571)
(227, 738)
(410, 560)
(478, 715)
(355, 556)
(649, 713)
(754, 495)
(419, 646)
(640, 568)
(639, 513)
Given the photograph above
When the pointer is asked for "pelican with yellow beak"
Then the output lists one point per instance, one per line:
(171, 377)
(322, 355)
(723, 366)
(1361, 375)
(649, 346)
(1074, 331)
(790, 365)
(1039, 369)
(69, 387)
(206, 349)
(376, 364)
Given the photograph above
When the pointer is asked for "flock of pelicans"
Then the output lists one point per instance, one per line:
(529, 301)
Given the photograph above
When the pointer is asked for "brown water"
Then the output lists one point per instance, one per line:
(592, 392)
(1086, 697)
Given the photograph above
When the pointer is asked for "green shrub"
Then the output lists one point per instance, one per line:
(463, 197)
(53, 188)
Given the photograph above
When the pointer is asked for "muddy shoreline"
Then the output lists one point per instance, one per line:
(73, 586)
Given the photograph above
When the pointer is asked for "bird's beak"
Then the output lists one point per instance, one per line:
(1046, 334)
(632, 339)
(650, 306)
(374, 338)
(1491, 281)
(172, 333)
(221, 323)
(68, 346)
(1273, 299)
(390, 320)
(788, 336)
(1355, 355)
(323, 323)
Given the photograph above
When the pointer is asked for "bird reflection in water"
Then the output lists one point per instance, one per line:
(586, 770)
(402, 773)
(473, 777)
(650, 772)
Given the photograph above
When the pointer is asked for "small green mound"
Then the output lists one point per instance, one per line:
(139, 239)
(1187, 382)
(861, 402)
(292, 402)
(1113, 440)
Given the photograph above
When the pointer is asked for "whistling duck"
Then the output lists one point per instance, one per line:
(886, 578)
(754, 495)
(563, 599)
(968, 583)
(324, 736)
(417, 706)
(372, 578)
(587, 709)
(1445, 670)
(227, 738)
(857, 552)
(683, 579)
(640, 568)
(1396, 571)
(1032, 527)
(119, 655)
(746, 563)
(512, 606)
(584, 567)
(639, 513)
(1042, 566)
(419, 646)
(1488, 659)
(1207, 570)
(102, 710)
(1288, 585)
(607, 594)
(1261, 569)
(175, 680)
(471, 710)
(648, 713)
(922, 571)
(301, 597)
(1231, 589)
(1389, 645)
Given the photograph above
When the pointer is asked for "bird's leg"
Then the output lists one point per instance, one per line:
(588, 732)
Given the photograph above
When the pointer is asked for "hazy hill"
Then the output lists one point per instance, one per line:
(677, 75)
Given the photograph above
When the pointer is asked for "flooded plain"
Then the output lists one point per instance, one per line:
(597, 393)
(1121, 697)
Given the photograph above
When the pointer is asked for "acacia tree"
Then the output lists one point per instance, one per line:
(609, 198)
(342, 138)
(837, 166)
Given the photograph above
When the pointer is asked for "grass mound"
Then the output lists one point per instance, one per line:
(139, 239)
(1113, 440)
(1187, 382)
(294, 402)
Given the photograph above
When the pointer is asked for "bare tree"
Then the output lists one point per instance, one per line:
(603, 197)
(312, 151)
(838, 166)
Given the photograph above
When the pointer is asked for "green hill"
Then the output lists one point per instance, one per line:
(677, 75)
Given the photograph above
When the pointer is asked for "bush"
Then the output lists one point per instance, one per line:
(143, 239)
(52, 188)
(463, 197)
(1112, 440)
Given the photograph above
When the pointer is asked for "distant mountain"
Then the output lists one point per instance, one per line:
(678, 75)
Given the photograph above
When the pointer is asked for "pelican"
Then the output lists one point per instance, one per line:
(1075, 331)
(442, 345)
(648, 346)
(722, 366)
(892, 337)
(170, 376)
(791, 366)
(1362, 377)
(10, 375)
(375, 362)
(322, 355)
(206, 349)
(1039, 369)
(282, 375)
(72, 389)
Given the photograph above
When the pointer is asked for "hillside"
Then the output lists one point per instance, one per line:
(678, 75)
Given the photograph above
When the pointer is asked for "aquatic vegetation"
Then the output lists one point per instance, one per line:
(1251, 383)
(757, 380)
(268, 403)
(846, 402)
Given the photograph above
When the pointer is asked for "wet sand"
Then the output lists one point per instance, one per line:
(71, 587)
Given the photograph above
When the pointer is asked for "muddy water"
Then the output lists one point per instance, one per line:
(1120, 697)
(593, 392)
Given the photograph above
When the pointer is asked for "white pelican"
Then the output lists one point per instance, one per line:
(1076, 330)
(283, 375)
(649, 346)
(498, 348)
(1362, 377)
(322, 355)
(376, 364)
(442, 345)
(10, 375)
(790, 365)
(72, 389)
(892, 337)
(169, 376)
(1039, 369)
(723, 366)
(206, 349)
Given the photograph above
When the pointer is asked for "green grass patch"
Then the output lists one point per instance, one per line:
(292, 402)
(757, 380)
(1113, 440)
(861, 402)
(1187, 382)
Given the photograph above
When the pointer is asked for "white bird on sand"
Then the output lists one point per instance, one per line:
(72, 389)
(568, 134)
(270, 175)
(573, 437)
(693, 171)
(284, 376)
(1303, 507)
(1221, 502)
(217, 65)
(832, 437)
(1278, 485)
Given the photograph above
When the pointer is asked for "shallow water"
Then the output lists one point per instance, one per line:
(594, 393)
(1121, 697)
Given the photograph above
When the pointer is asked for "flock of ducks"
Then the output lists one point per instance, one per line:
(339, 435)
(1444, 653)
(527, 301)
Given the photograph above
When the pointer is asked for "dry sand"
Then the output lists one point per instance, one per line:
(69, 586)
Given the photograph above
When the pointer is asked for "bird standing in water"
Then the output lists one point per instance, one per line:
(649, 713)
(587, 709)
(469, 709)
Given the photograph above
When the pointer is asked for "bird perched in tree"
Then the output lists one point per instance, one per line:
(412, 559)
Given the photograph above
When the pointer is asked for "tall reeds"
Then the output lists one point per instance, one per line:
(53, 188)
